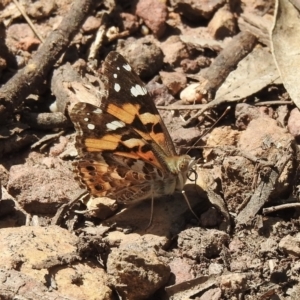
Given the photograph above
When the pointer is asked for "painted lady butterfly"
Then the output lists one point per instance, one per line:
(125, 151)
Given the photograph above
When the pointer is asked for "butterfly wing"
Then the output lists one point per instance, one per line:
(125, 149)
(115, 160)
(129, 101)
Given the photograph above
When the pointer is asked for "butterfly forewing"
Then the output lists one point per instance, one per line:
(101, 132)
(129, 101)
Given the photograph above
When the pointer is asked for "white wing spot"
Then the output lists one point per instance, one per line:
(115, 76)
(118, 68)
(97, 111)
(138, 90)
(117, 87)
(127, 67)
(91, 126)
(86, 119)
(115, 124)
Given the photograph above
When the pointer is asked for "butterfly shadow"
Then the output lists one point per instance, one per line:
(170, 214)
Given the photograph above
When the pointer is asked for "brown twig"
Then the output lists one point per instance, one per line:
(26, 80)
(274, 102)
(44, 121)
(17, 141)
(22, 11)
(271, 209)
(180, 107)
(226, 62)
(57, 219)
(218, 71)
(262, 192)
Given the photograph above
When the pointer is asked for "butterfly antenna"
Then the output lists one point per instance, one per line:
(189, 205)
(210, 129)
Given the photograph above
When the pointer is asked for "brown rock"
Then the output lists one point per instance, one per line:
(212, 294)
(136, 241)
(41, 9)
(17, 32)
(203, 62)
(234, 282)
(223, 24)
(258, 6)
(38, 251)
(294, 123)
(82, 281)
(41, 187)
(175, 81)
(34, 249)
(160, 93)
(174, 19)
(174, 50)
(236, 245)
(197, 10)
(239, 266)
(269, 247)
(196, 242)
(218, 137)
(15, 284)
(101, 207)
(253, 139)
(244, 113)
(136, 273)
(215, 269)
(184, 136)
(290, 245)
(154, 14)
(264, 138)
(59, 147)
(28, 44)
(190, 66)
(129, 22)
(91, 24)
(181, 270)
(143, 55)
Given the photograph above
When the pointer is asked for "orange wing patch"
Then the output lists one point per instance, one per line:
(137, 148)
(108, 142)
(126, 113)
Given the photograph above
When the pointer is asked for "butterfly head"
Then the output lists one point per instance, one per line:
(180, 166)
(184, 163)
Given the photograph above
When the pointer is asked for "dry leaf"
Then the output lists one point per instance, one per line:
(285, 47)
(256, 71)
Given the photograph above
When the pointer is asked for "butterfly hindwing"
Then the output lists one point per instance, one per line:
(119, 182)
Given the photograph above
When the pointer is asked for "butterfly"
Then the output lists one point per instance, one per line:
(125, 150)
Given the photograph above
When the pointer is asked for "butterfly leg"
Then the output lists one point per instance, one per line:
(152, 209)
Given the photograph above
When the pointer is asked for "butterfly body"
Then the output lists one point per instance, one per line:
(125, 150)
